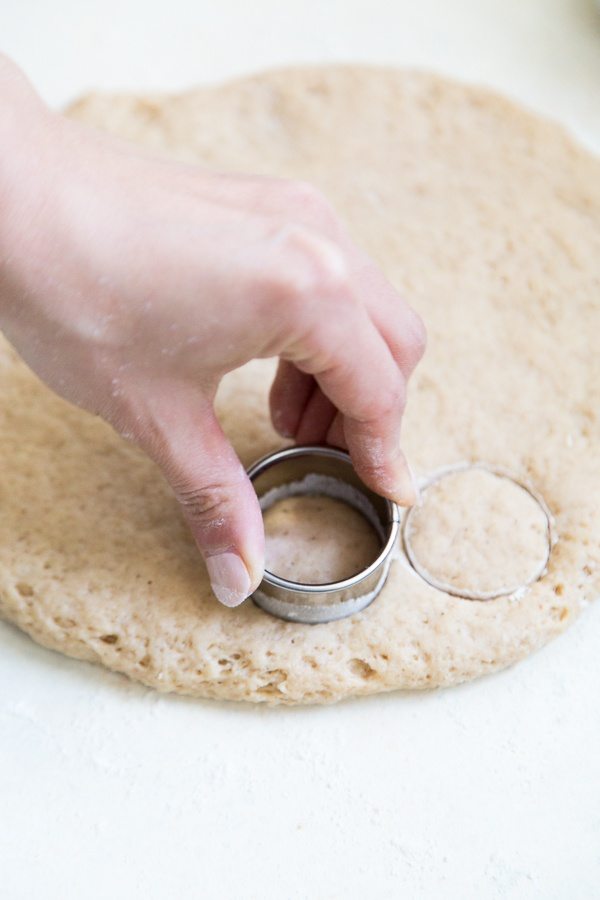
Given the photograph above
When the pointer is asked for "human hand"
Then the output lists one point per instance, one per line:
(131, 285)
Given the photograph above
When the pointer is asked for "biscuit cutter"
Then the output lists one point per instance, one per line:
(310, 470)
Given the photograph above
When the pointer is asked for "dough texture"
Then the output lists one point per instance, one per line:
(488, 218)
(478, 533)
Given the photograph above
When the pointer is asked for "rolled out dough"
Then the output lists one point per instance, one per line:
(488, 218)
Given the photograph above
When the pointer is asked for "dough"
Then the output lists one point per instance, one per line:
(488, 218)
(499, 541)
(316, 539)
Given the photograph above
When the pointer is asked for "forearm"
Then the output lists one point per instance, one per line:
(26, 176)
(23, 117)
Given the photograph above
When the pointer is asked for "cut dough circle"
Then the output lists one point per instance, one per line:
(488, 219)
(478, 534)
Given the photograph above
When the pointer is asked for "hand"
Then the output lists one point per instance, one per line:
(132, 285)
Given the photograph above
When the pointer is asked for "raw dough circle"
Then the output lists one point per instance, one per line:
(478, 534)
(316, 539)
(488, 219)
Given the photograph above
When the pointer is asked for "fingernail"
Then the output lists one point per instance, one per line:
(406, 491)
(229, 578)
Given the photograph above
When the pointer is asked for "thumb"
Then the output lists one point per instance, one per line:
(216, 496)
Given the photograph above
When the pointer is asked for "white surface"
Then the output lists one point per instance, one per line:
(491, 790)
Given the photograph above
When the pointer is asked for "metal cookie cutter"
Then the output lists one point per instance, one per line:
(306, 470)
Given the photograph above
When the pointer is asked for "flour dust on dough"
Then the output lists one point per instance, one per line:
(488, 219)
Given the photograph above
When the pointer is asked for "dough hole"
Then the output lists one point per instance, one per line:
(314, 539)
(64, 622)
(361, 668)
(275, 683)
(478, 534)
(24, 589)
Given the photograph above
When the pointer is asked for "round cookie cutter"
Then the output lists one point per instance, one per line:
(465, 593)
(318, 470)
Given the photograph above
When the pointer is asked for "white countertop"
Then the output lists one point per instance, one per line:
(490, 790)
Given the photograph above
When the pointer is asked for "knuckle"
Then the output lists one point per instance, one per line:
(204, 505)
(390, 402)
(371, 471)
(308, 265)
(309, 202)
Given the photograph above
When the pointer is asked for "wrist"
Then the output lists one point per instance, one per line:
(27, 138)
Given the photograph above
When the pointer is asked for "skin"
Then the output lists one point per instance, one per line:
(132, 285)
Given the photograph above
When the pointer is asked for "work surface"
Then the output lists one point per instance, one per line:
(491, 790)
